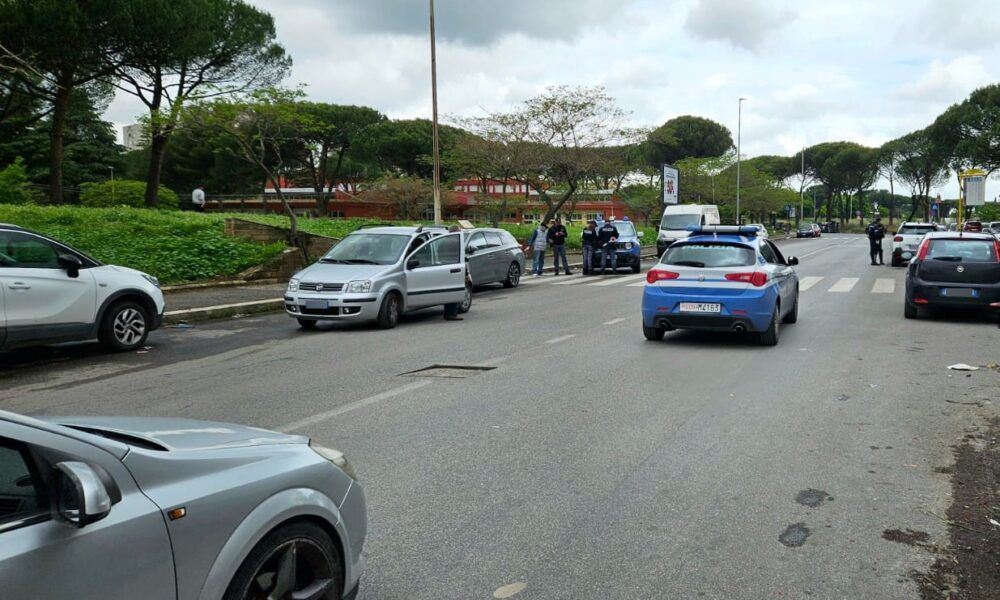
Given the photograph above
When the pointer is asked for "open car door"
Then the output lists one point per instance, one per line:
(435, 272)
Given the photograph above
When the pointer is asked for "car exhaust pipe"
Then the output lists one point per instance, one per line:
(665, 325)
(740, 328)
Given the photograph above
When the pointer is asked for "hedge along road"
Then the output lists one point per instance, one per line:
(585, 462)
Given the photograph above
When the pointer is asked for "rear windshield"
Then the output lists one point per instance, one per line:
(916, 229)
(709, 255)
(963, 250)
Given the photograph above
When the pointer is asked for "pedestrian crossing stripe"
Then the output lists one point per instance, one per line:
(807, 282)
(571, 280)
(615, 280)
(884, 286)
(844, 285)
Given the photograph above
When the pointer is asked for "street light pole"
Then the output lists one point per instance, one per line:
(434, 126)
(112, 185)
(739, 135)
(802, 191)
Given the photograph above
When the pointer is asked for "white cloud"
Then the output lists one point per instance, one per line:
(746, 24)
(943, 80)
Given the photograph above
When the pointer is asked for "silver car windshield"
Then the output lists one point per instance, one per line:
(709, 255)
(680, 221)
(367, 249)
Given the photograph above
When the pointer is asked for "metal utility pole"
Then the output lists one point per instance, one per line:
(113, 201)
(434, 127)
(802, 191)
(739, 135)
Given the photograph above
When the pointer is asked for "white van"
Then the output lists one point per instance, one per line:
(677, 218)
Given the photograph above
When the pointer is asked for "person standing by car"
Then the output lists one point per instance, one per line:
(557, 239)
(451, 309)
(590, 240)
(198, 199)
(539, 242)
(875, 232)
(607, 235)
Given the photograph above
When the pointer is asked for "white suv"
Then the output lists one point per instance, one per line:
(51, 293)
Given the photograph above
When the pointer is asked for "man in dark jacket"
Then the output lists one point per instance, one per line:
(875, 232)
(607, 235)
(557, 240)
(590, 240)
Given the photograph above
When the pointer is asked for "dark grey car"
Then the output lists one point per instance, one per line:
(494, 256)
(174, 509)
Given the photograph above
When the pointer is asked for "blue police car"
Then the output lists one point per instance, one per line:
(722, 278)
(628, 249)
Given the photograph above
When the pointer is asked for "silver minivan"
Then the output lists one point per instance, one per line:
(378, 273)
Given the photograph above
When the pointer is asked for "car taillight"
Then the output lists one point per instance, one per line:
(996, 249)
(925, 247)
(898, 238)
(655, 275)
(756, 279)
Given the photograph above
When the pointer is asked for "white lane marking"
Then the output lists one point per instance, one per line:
(844, 285)
(571, 280)
(808, 282)
(640, 284)
(884, 286)
(494, 361)
(820, 250)
(616, 280)
(531, 280)
(323, 416)
(561, 339)
(616, 321)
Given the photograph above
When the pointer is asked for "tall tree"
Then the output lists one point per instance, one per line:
(886, 159)
(181, 51)
(970, 130)
(403, 147)
(687, 137)
(922, 166)
(53, 47)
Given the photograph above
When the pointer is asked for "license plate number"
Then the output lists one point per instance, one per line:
(700, 307)
(317, 304)
(960, 292)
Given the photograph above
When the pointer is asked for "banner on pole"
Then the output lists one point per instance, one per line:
(671, 185)
(975, 190)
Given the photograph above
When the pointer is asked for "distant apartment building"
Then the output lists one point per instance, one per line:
(132, 137)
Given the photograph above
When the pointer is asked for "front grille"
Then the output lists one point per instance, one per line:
(333, 311)
(623, 245)
(320, 287)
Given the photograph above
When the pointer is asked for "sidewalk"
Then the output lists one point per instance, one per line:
(200, 304)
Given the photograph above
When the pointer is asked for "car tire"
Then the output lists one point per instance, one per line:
(388, 313)
(466, 304)
(793, 315)
(910, 311)
(312, 551)
(636, 267)
(513, 276)
(309, 324)
(124, 327)
(653, 334)
(770, 337)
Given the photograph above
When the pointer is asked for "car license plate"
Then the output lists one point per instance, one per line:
(700, 307)
(960, 292)
(317, 304)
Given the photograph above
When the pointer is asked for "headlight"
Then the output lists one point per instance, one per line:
(358, 287)
(151, 279)
(293, 285)
(336, 457)
(628, 245)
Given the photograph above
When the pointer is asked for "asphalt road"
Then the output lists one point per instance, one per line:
(587, 462)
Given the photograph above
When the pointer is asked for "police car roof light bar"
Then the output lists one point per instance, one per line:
(730, 229)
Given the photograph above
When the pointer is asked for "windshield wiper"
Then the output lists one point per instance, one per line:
(689, 263)
(951, 258)
(332, 260)
(361, 261)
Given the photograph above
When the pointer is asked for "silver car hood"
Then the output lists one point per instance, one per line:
(335, 273)
(176, 434)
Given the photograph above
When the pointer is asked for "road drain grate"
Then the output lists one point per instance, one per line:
(448, 371)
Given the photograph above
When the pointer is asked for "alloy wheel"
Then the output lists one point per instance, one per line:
(129, 326)
(513, 275)
(299, 569)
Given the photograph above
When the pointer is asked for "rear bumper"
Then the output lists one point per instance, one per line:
(936, 294)
(750, 310)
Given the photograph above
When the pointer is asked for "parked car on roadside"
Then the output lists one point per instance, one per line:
(907, 240)
(51, 293)
(808, 230)
(973, 226)
(958, 270)
(994, 227)
(494, 256)
(174, 509)
(378, 273)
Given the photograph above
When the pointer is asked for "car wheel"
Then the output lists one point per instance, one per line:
(388, 313)
(770, 337)
(466, 303)
(307, 323)
(793, 315)
(513, 276)
(910, 311)
(298, 560)
(636, 267)
(653, 334)
(124, 327)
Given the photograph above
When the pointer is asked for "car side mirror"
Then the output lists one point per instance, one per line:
(412, 264)
(82, 496)
(71, 263)
(470, 250)
(640, 233)
(792, 261)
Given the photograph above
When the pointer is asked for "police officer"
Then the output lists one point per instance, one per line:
(875, 232)
(589, 238)
(607, 235)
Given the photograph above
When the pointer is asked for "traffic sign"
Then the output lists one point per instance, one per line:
(975, 190)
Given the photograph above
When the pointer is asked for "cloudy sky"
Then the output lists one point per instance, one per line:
(811, 70)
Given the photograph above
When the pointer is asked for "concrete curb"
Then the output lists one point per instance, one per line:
(214, 284)
(222, 311)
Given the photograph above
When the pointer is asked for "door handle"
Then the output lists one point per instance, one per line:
(456, 271)
(17, 285)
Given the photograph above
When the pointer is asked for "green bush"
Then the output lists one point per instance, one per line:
(123, 192)
(14, 184)
(174, 246)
